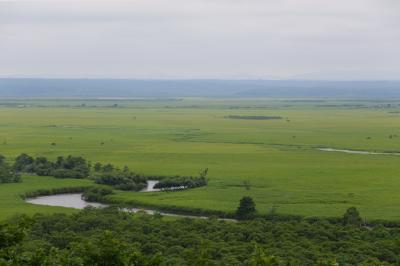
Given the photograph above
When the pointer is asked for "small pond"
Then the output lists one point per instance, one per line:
(152, 183)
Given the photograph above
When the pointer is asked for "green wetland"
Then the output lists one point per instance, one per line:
(277, 162)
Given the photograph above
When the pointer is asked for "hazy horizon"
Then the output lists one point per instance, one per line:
(126, 88)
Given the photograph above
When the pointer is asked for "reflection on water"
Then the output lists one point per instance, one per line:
(152, 183)
(150, 186)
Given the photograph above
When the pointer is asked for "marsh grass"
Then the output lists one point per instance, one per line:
(278, 157)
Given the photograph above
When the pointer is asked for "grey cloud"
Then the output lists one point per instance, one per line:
(200, 38)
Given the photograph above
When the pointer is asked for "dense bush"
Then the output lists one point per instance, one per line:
(183, 182)
(120, 179)
(110, 237)
(71, 167)
(96, 194)
(7, 174)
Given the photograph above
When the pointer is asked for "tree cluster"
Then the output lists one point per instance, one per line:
(63, 167)
(107, 174)
(78, 167)
(7, 173)
(110, 237)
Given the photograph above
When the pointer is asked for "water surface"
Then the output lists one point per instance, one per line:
(150, 186)
(64, 200)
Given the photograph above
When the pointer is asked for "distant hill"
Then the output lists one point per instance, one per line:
(124, 88)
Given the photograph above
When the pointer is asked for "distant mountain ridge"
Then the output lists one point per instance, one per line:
(125, 88)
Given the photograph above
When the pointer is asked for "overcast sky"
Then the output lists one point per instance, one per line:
(270, 39)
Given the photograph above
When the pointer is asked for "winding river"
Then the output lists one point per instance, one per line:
(74, 200)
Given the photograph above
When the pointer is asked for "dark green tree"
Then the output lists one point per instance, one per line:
(352, 216)
(108, 168)
(98, 167)
(22, 162)
(7, 173)
(246, 209)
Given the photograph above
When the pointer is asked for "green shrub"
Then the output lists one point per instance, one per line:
(96, 194)
(183, 182)
(120, 179)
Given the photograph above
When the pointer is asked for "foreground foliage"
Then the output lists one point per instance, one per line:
(110, 237)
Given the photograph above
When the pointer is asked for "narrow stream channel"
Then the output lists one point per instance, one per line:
(358, 152)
